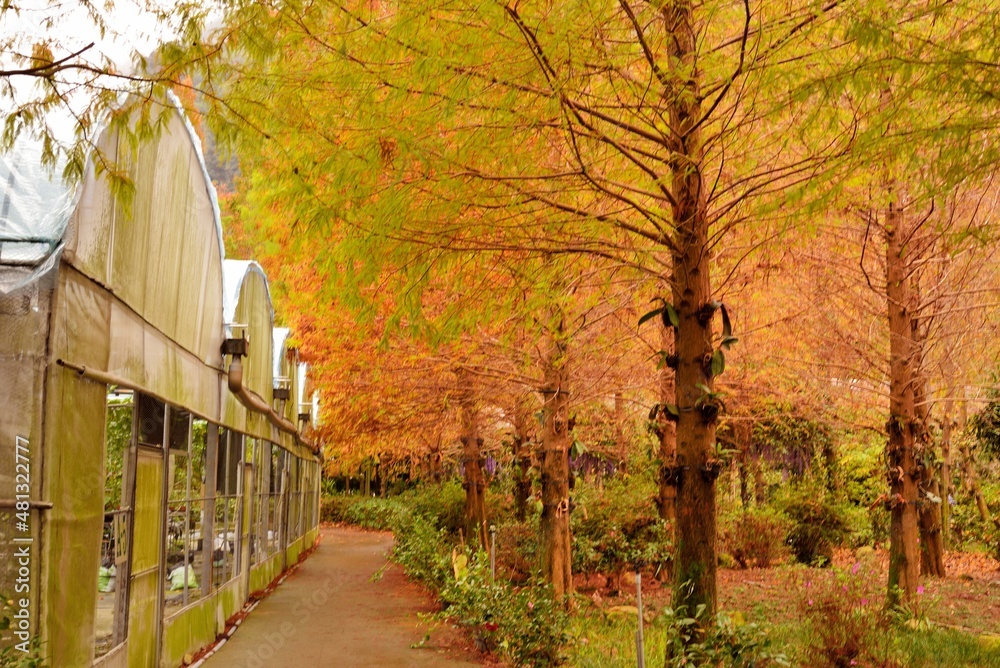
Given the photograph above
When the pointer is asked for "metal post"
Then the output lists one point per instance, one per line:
(493, 553)
(640, 651)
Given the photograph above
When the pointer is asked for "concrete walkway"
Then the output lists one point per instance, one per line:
(330, 613)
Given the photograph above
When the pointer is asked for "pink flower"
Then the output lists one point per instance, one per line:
(864, 601)
(531, 606)
(920, 589)
(844, 587)
(855, 568)
(810, 601)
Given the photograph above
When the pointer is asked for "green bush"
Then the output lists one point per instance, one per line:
(616, 527)
(523, 624)
(421, 549)
(967, 524)
(755, 537)
(443, 504)
(818, 523)
(696, 640)
(334, 508)
(862, 475)
(379, 514)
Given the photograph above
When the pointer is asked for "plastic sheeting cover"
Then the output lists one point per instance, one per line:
(233, 273)
(280, 335)
(35, 208)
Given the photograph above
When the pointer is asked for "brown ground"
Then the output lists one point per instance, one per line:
(346, 607)
(968, 599)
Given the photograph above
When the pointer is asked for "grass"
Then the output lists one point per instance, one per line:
(774, 600)
(608, 641)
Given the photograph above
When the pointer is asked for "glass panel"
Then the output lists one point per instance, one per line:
(185, 510)
(228, 507)
(112, 576)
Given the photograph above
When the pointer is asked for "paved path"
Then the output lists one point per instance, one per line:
(330, 613)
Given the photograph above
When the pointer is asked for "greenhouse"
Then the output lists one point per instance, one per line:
(156, 430)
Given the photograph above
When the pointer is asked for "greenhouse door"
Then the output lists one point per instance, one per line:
(146, 586)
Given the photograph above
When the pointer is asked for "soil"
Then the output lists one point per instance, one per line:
(968, 599)
(347, 606)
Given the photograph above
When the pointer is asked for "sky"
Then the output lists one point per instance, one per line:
(131, 27)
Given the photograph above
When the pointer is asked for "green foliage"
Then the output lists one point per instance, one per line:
(617, 527)
(967, 524)
(985, 426)
(118, 433)
(442, 503)
(418, 549)
(862, 475)
(523, 624)
(755, 537)
(517, 550)
(10, 656)
(380, 514)
(695, 640)
(946, 648)
(788, 440)
(818, 523)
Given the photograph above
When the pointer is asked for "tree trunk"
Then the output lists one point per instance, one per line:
(474, 482)
(929, 490)
(946, 428)
(555, 554)
(744, 488)
(521, 450)
(666, 501)
(697, 468)
(901, 447)
(759, 483)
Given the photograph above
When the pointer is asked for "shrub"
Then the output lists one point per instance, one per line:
(421, 549)
(849, 626)
(818, 524)
(615, 528)
(523, 624)
(443, 504)
(517, 550)
(861, 463)
(756, 537)
(694, 640)
(334, 508)
(380, 514)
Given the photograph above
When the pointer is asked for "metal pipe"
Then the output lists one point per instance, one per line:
(34, 505)
(640, 648)
(234, 380)
(493, 553)
(252, 401)
(110, 379)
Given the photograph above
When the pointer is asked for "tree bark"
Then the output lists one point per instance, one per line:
(666, 501)
(474, 481)
(556, 561)
(901, 447)
(929, 489)
(697, 468)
